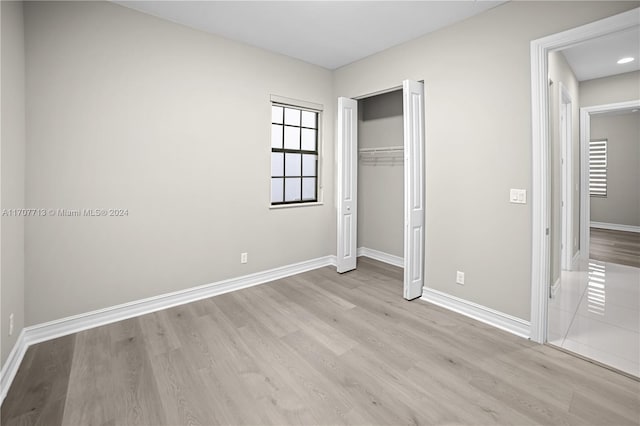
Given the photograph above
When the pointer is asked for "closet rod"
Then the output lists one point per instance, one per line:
(386, 149)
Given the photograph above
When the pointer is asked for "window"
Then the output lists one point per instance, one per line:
(598, 168)
(294, 155)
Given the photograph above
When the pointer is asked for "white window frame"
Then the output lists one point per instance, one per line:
(305, 106)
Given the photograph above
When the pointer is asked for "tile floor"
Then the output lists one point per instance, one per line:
(595, 312)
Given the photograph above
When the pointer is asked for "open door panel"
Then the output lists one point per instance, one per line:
(347, 183)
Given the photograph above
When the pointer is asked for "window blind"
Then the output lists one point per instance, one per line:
(598, 168)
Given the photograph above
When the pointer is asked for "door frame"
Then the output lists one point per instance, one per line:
(585, 138)
(566, 136)
(540, 202)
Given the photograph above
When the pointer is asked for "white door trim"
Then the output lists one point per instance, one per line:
(585, 137)
(540, 49)
(566, 136)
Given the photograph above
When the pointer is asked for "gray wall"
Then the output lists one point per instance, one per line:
(478, 140)
(608, 90)
(622, 203)
(129, 111)
(560, 73)
(12, 153)
(381, 185)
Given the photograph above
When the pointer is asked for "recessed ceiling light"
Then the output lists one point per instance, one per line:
(626, 60)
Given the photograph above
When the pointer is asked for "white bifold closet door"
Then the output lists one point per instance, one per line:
(414, 186)
(347, 183)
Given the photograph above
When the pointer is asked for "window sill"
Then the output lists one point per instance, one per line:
(293, 206)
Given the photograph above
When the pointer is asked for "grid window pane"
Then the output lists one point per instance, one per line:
(294, 155)
(292, 189)
(292, 116)
(277, 164)
(292, 137)
(309, 165)
(293, 165)
(309, 139)
(276, 136)
(276, 114)
(277, 190)
(309, 119)
(308, 189)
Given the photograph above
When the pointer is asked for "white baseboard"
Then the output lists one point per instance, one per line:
(381, 256)
(614, 226)
(65, 326)
(497, 319)
(11, 365)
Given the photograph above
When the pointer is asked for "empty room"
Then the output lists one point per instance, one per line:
(319, 212)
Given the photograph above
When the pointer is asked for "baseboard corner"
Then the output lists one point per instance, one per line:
(381, 256)
(12, 364)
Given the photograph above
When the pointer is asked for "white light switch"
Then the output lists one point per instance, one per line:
(518, 196)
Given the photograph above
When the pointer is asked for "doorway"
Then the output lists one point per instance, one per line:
(381, 177)
(540, 259)
(413, 140)
(586, 286)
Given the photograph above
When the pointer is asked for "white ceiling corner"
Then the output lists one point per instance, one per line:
(332, 34)
(326, 33)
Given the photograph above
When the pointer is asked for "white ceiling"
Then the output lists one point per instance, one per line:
(598, 57)
(326, 33)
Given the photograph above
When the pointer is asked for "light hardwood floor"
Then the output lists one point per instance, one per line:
(316, 348)
(618, 247)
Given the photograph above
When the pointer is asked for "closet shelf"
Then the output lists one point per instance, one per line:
(383, 155)
(382, 151)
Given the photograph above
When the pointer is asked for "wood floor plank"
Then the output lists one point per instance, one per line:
(90, 398)
(230, 380)
(158, 333)
(593, 407)
(259, 308)
(619, 247)
(183, 396)
(135, 388)
(529, 367)
(316, 348)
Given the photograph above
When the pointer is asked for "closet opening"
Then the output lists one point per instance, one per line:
(380, 182)
(381, 178)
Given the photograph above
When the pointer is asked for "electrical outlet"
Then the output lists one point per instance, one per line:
(459, 277)
(10, 324)
(244, 258)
